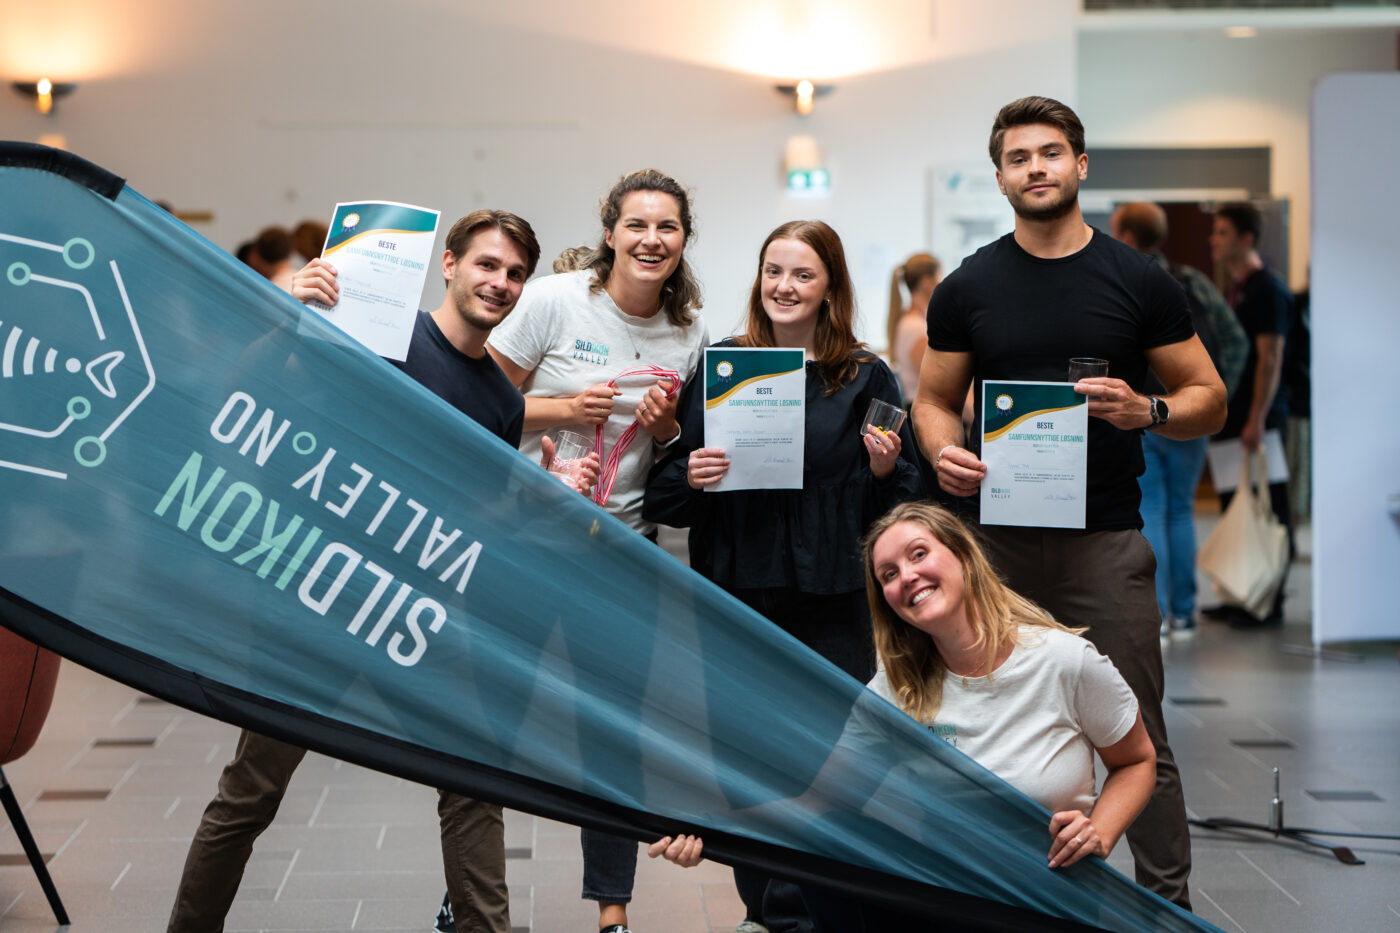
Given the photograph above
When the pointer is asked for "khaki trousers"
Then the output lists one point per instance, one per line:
(250, 791)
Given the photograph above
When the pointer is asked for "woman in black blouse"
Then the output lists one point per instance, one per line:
(794, 554)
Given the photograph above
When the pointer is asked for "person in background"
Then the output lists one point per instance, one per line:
(604, 343)
(309, 238)
(274, 257)
(793, 554)
(1264, 307)
(907, 330)
(245, 254)
(1297, 379)
(1173, 467)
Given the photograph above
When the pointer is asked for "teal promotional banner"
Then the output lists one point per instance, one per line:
(208, 494)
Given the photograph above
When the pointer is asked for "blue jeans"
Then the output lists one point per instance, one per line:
(1168, 517)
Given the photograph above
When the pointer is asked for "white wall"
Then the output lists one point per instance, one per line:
(1195, 89)
(1356, 332)
(270, 112)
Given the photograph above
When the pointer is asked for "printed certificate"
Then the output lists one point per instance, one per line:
(1035, 442)
(381, 252)
(1226, 458)
(755, 408)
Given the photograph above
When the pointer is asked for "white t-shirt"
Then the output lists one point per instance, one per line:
(1036, 721)
(570, 338)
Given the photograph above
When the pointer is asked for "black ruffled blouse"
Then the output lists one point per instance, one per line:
(804, 539)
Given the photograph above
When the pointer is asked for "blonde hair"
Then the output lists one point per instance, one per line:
(910, 657)
(915, 268)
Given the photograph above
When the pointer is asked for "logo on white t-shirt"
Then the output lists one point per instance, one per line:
(590, 351)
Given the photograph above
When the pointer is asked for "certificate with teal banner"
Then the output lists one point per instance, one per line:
(755, 410)
(381, 252)
(1035, 442)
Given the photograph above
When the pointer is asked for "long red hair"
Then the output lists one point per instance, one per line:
(838, 352)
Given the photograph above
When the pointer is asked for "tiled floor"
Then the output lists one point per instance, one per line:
(116, 785)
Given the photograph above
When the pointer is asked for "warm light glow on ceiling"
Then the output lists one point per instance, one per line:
(816, 40)
(1241, 32)
(83, 40)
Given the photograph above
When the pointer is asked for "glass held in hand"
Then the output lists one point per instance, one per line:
(1086, 367)
(888, 418)
(569, 449)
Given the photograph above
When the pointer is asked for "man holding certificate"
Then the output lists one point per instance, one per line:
(489, 255)
(1017, 312)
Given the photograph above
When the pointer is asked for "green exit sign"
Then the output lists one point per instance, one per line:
(809, 181)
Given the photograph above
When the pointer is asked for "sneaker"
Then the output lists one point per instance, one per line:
(1184, 628)
(1166, 630)
(750, 926)
(615, 928)
(444, 922)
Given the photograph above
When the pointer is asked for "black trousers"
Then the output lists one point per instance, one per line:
(837, 627)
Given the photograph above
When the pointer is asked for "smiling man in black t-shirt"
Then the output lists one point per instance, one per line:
(1019, 309)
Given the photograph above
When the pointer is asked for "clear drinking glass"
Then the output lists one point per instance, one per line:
(569, 449)
(1086, 367)
(888, 418)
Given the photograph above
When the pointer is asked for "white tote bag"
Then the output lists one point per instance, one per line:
(1247, 553)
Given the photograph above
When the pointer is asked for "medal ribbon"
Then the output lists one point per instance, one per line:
(614, 457)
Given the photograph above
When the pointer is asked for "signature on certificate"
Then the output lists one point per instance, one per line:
(1061, 497)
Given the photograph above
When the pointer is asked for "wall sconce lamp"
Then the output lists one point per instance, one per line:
(803, 93)
(44, 92)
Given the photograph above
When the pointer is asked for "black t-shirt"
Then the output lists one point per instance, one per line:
(805, 539)
(1264, 305)
(475, 387)
(1023, 318)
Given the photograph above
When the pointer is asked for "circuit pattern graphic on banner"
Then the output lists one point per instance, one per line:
(67, 338)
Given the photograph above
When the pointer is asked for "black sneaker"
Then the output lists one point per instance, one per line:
(615, 928)
(444, 923)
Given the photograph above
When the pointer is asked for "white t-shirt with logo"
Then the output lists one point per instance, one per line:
(570, 338)
(1036, 721)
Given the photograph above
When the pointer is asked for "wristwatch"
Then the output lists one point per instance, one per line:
(1159, 411)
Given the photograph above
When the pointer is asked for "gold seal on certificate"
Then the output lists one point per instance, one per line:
(1035, 443)
(755, 409)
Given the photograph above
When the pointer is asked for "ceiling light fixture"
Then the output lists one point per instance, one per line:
(44, 92)
(804, 93)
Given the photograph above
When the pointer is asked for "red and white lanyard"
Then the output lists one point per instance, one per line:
(614, 457)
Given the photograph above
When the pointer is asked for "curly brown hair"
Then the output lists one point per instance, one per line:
(680, 293)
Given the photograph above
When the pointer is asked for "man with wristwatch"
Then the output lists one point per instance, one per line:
(1019, 309)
